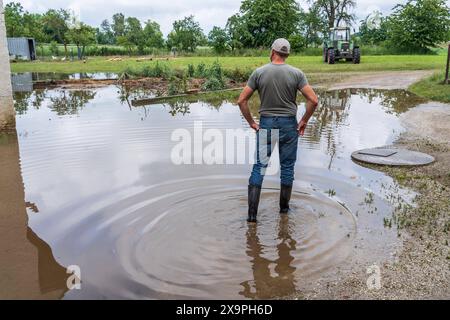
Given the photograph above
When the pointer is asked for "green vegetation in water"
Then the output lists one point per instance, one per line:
(369, 198)
(331, 192)
(387, 222)
(433, 88)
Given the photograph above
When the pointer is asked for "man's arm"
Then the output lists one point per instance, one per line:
(311, 104)
(243, 105)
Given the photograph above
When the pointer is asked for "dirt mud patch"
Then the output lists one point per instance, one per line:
(381, 80)
(429, 121)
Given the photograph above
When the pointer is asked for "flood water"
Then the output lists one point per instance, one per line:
(102, 190)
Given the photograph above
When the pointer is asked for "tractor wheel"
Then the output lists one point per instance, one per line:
(331, 56)
(356, 56)
(325, 55)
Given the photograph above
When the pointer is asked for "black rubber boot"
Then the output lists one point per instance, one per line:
(254, 193)
(285, 197)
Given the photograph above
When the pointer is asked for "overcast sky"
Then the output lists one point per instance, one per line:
(208, 12)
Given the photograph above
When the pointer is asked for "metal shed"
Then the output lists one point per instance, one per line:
(24, 48)
(22, 82)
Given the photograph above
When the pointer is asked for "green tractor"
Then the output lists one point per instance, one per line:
(338, 46)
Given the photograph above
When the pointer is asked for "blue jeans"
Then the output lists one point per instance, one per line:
(287, 135)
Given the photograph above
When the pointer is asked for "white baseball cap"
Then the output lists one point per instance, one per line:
(281, 45)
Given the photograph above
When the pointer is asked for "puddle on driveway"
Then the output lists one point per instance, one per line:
(106, 196)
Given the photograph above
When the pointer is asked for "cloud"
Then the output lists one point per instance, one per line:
(208, 13)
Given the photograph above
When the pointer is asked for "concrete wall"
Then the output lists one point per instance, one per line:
(7, 114)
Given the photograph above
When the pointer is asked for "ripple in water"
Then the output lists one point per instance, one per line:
(195, 243)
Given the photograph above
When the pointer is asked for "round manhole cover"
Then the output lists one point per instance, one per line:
(392, 157)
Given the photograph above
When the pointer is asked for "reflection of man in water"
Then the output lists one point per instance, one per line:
(277, 84)
(265, 285)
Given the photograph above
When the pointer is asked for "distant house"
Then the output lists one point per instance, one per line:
(22, 48)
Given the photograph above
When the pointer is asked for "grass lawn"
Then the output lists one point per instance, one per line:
(309, 64)
(433, 88)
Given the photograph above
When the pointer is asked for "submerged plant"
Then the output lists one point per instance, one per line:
(369, 198)
(387, 222)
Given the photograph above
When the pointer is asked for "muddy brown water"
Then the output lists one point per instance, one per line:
(102, 191)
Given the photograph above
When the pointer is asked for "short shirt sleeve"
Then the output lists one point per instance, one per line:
(253, 81)
(302, 81)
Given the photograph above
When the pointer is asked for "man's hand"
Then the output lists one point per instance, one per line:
(243, 105)
(255, 126)
(311, 104)
(301, 127)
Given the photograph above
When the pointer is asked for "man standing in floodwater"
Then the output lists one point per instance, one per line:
(277, 84)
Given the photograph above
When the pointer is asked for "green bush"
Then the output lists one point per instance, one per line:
(159, 70)
(191, 70)
(180, 73)
(214, 75)
(212, 84)
(386, 49)
(201, 70)
(238, 75)
(215, 71)
(177, 85)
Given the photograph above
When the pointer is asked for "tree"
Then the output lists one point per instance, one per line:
(34, 27)
(337, 11)
(56, 26)
(105, 35)
(134, 33)
(118, 25)
(82, 36)
(297, 41)
(20, 23)
(186, 34)
(14, 19)
(373, 29)
(218, 39)
(152, 34)
(312, 24)
(237, 31)
(419, 24)
(133, 36)
(126, 43)
(267, 20)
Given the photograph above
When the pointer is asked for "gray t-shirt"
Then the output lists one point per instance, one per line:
(277, 85)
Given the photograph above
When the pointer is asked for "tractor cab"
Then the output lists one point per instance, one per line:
(339, 45)
(342, 34)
